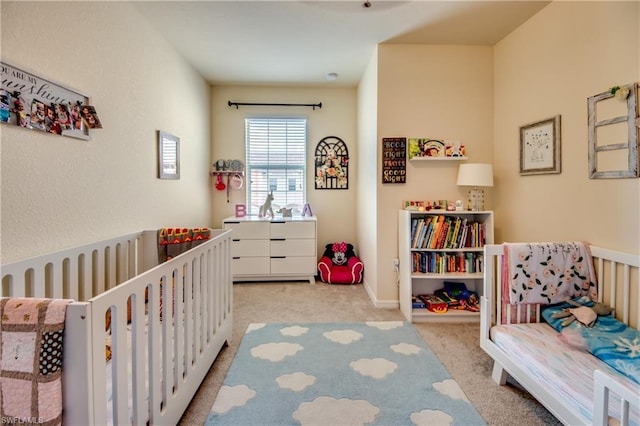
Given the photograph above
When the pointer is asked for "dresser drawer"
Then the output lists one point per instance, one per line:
(250, 266)
(292, 229)
(248, 230)
(249, 248)
(294, 265)
(293, 247)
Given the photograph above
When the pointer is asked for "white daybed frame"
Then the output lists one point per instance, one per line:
(621, 277)
(179, 353)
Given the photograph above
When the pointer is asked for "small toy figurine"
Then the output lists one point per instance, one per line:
(285, 212)
(266, 207)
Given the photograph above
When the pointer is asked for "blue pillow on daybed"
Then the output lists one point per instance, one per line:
(612, 341)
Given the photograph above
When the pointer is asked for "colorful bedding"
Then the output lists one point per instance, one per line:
(610, 340)
(31, 350)
(555, 365)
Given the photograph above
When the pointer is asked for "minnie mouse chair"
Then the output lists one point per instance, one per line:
(340, 265)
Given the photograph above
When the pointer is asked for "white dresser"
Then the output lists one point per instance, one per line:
(277, 249)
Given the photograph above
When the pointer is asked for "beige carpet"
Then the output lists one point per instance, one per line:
(457, 346)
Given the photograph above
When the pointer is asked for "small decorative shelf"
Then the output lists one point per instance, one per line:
(438, 159)
(227, 172)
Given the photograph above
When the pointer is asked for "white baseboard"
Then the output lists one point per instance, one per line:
(382, 304)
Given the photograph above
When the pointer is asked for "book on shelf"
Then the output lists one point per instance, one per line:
(442, 232)
(444, 262)
(417, 303)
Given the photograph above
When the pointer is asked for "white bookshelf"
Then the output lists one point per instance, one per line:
(415, 282)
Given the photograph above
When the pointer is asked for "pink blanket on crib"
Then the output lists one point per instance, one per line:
(31, 336)
(547, 272)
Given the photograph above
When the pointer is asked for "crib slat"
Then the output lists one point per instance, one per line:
(111, 261)
(56, 280)
(197, 310)
(72, 277)
(184, 340)
(167, 335)
(178, 314)
(138, 356)
(626, 289)
(119, 363)
(38, 283)
(155, 391)
(87, 279)
(214, 294)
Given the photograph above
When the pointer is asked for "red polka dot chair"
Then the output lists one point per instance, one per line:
(340, 265)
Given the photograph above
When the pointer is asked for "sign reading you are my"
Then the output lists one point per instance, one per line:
(29, 88)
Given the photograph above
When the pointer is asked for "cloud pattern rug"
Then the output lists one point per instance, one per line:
(378, 373)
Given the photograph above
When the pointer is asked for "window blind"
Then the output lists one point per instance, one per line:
(276, 161)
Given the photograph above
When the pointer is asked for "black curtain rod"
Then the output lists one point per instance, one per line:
(239, 104)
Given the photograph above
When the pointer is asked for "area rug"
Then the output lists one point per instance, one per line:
(374, 373)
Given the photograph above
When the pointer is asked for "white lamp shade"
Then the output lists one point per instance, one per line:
(475, 174)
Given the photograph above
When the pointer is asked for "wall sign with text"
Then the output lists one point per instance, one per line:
(32, 102)
(394, 160)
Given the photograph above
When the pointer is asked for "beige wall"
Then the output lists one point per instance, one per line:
(551, 65)
(335, 209)
(443, 92)
(58, 191)
(367, 195)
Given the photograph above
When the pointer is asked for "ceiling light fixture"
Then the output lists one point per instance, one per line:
(366, 4)
(332, 76)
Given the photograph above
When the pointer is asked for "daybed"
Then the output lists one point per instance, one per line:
(575, 386)
(165, 323)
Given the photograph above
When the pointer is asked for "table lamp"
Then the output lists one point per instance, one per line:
(475, 175)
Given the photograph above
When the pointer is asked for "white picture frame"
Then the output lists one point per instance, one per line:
(168, 156)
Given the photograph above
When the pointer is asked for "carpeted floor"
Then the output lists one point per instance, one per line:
(456, 345)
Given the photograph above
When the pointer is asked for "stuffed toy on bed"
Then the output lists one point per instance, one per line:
(585, 315)
(340, 265)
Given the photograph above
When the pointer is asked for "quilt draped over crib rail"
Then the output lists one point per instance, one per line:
(548, 272)
(31, 347)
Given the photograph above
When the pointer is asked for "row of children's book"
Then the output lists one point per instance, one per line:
(446, 232)
(441, 262)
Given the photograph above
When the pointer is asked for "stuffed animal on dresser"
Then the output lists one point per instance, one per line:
(266, 207)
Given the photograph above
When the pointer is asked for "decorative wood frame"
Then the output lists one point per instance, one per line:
(168, 156)
(332, 164)
(598, 147)
(540, 147)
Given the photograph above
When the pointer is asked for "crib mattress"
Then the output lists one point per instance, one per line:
(556, 365)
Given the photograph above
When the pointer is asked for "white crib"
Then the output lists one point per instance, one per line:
(618, 276)
(157, 364)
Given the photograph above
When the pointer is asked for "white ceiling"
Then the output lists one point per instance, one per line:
(300, 42)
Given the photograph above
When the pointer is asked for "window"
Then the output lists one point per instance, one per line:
(276, 158)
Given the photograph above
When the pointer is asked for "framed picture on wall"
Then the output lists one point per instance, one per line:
(540, 147)
(168, 156)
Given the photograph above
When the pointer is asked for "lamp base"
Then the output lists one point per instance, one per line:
(476, 199)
